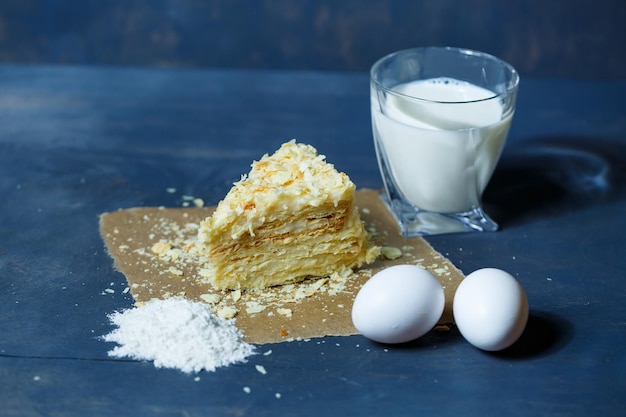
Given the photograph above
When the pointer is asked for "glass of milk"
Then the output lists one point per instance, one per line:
(440, 117)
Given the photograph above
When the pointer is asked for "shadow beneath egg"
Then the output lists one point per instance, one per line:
(545, 334)
(440, 336)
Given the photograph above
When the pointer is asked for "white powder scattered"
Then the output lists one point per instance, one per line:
(177, 333)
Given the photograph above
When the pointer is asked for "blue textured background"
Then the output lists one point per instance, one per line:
(556, 38)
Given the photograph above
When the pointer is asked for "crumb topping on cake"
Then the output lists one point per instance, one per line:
(292, 178)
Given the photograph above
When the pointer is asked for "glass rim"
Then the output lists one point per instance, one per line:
(515, 78)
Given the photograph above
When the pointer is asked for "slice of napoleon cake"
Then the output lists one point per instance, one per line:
(292, 217)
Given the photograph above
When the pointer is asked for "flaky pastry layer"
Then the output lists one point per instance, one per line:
(292, 217)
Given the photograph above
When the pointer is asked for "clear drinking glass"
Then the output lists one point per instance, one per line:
(440, 117)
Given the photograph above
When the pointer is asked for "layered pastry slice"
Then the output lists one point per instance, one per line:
(292, 217)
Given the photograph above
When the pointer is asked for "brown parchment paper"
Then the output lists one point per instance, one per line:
(314, 308)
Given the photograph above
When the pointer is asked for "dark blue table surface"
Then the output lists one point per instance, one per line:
(77, 142)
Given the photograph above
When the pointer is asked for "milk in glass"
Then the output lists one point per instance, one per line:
(440, 154)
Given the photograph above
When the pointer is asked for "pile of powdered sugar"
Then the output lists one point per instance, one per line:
(177, 333)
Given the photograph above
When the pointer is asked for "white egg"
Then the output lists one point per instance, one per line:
(398, 304)
(490, 309)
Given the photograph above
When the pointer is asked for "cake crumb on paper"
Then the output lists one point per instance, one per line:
(390, 252)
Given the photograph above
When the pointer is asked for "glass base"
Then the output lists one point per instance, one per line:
(415, 222)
